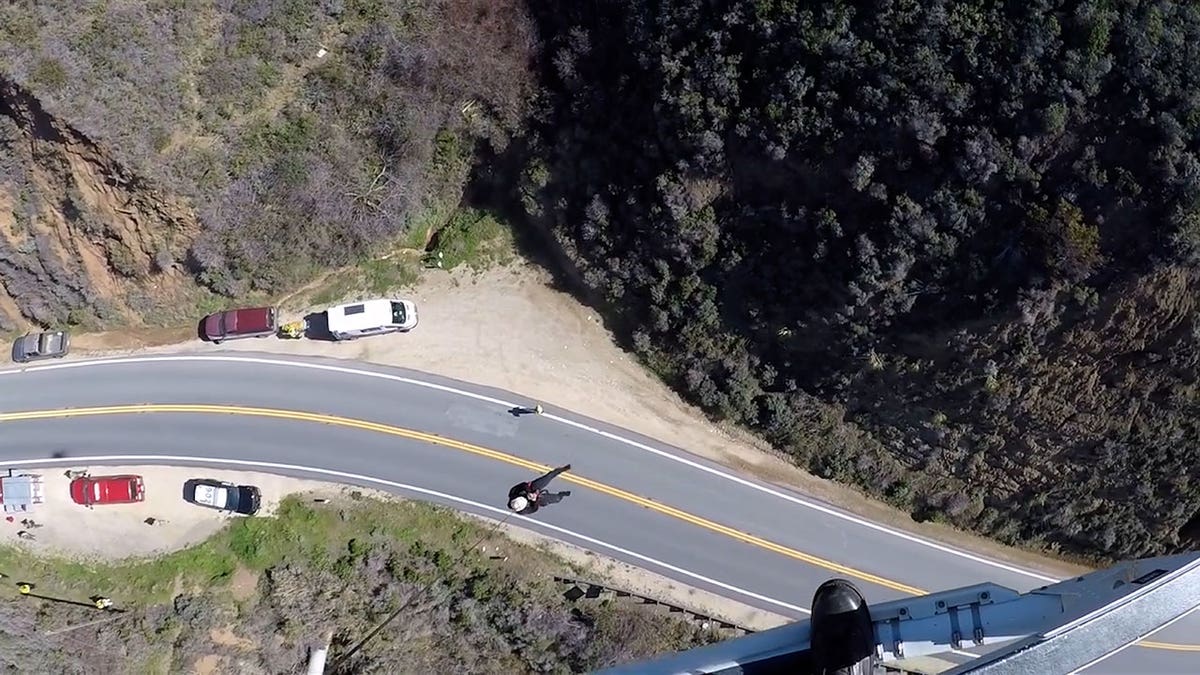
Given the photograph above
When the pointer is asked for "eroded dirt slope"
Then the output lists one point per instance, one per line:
(81, 236)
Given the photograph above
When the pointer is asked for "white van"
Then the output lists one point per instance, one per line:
(371, 317)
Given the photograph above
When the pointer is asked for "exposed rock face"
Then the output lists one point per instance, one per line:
(81, 237)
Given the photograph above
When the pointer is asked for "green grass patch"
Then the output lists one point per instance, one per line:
(146, 581)
(370, 277)
(321, 537)
(464, 237)
(382, 276)
(475, 239)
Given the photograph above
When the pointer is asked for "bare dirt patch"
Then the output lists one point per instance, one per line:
(225, 637)
(244, 584)
(119, 531)
(209, 664)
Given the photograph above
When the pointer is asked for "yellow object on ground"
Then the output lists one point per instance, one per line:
(293, 329)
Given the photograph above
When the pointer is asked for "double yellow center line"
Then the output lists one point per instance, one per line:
(489, 453)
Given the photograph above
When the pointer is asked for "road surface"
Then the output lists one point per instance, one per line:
(459, 444)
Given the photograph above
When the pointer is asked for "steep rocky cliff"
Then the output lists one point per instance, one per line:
(82, 238)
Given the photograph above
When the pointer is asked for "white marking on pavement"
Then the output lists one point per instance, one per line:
(160, 459)
(921, 541)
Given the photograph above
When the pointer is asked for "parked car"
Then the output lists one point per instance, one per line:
(234, 324)
(92, 490)
(38, 346)
(371, 317)
(222, 495)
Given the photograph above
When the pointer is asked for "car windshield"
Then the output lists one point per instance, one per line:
(43, 343)
(398, 313)
(96, 492)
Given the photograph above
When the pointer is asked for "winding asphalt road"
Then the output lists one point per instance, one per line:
(457, 444)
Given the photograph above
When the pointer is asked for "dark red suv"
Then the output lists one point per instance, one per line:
(240, 323)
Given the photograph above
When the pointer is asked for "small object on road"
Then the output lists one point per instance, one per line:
(154, 521)
(526, 498)
(25, 534)
(73, 473)
(321, 500)
(30, 524)
(519, 410)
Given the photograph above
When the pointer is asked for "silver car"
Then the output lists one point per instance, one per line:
(38, 346)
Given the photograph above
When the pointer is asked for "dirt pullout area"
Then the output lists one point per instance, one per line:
(509, 328)
(120, 532)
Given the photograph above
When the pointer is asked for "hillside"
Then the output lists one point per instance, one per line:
(944, 250)
(948, 252)
(182, 148)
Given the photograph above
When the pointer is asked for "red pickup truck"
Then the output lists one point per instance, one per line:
(91, 490)
(240, 323)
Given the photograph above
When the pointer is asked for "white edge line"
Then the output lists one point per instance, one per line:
(578, 425)
(159, 459)
(1145, 637)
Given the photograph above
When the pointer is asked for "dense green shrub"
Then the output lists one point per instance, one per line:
(786, 203)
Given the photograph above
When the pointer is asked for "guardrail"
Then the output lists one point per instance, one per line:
(593, 590)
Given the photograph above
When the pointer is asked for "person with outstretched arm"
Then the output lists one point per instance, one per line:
(526, 498)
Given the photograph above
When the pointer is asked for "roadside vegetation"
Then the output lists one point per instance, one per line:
(946, 251)
(258, 595)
